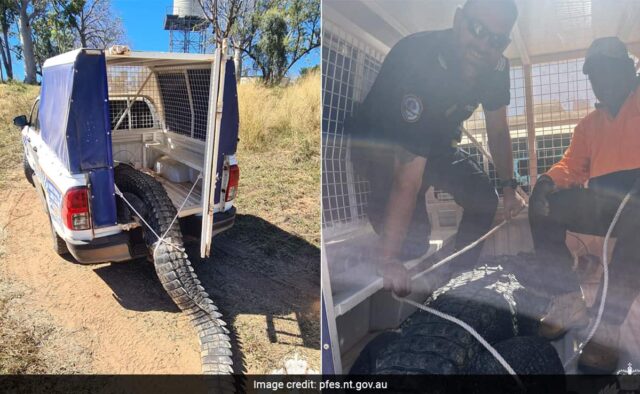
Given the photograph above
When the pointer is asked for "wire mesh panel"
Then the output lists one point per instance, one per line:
(176, 98)
(561, 97)
(349, 68)
(199, 85)
(140, 115)
(176, 101)
(516, 118)
(133, 86)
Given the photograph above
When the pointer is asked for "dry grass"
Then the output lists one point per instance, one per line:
(276, 117)
(15, 99)
(279, 155)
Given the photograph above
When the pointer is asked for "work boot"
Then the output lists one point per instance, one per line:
(600, 355)
(565, 312)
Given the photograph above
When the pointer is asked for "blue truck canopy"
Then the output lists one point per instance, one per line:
(74, 110)
(74, 123)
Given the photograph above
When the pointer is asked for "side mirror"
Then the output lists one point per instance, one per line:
(20, 121)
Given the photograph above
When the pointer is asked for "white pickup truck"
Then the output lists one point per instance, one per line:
(122, 148)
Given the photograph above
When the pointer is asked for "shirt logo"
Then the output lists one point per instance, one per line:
(411, 108)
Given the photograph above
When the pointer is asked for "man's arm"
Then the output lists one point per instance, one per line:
(408, 171)
(407, 181)
(500, 148)
(573, 168)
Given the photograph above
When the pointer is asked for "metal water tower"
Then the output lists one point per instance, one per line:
(187, 26)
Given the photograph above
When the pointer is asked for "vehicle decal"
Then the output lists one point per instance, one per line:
(54, 201)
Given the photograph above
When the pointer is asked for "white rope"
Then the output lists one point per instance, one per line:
(484, 237)
(461, 251)
(478, 337)
(177, 214)
(440, 263)
(605, 274)
(471, 331)
(160, 239)
(457, 321)
(119, 194)
(605, 279)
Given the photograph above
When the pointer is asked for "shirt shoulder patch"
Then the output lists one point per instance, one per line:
(411, 108)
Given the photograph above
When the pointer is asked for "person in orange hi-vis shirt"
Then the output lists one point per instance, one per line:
(605, 153)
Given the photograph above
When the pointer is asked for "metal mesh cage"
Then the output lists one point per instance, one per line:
(561, 97)
(175, 98)
(548, 99)
(199, 85)
(176, 102)
(139, 117)
(348, 70)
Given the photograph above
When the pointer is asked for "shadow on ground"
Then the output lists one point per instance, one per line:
(136, 287)
(256, 268)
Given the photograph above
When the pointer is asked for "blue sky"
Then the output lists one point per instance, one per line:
(144, 21)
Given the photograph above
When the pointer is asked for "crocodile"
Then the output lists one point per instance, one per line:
(173, 268)
(498, 299)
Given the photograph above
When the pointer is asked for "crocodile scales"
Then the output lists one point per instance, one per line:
(174, 269)
(496, 299)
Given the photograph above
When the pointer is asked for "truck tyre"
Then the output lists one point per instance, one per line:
(59, 244)
(175, 272)
(28, 172)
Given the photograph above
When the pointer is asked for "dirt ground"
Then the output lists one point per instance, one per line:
(116, 318)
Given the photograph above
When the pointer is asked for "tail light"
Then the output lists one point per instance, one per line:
(75, 209)
(232, 186)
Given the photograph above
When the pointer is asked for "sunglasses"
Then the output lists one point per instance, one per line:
(498, 42)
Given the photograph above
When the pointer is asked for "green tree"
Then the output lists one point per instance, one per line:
(52, 34)
(68, 24)
(271, 48)
(302, 35)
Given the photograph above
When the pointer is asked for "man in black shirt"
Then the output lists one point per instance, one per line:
(405, 134)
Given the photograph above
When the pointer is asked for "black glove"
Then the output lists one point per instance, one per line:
(538, 202)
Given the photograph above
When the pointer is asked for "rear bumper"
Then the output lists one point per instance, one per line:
(111, 248)
(118, 247)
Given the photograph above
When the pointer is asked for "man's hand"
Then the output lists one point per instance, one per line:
(395, 277)
(539, 204)
(513, 203)
(500, 147)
